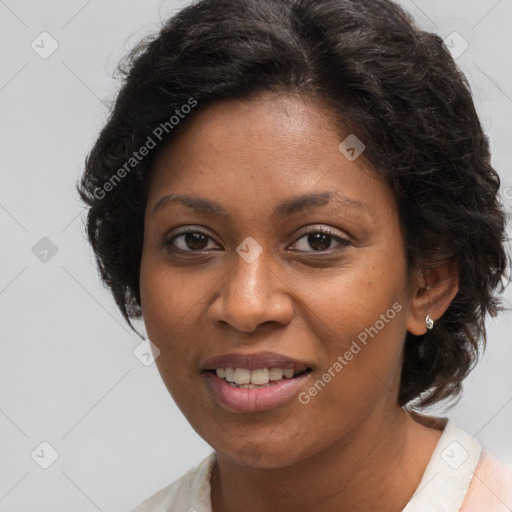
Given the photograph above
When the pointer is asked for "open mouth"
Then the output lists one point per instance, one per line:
(254, 382)
(258, 378)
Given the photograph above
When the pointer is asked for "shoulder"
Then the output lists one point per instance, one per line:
(490, 489)
(189, 492)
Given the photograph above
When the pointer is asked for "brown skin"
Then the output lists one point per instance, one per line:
(351, 447)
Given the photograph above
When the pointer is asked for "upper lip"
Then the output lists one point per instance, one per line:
(254, 361)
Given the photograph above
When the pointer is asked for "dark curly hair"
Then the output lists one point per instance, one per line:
(393, 84)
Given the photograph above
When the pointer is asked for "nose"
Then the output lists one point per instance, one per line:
(252, 294)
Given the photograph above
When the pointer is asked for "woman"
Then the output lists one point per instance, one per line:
(297, 198)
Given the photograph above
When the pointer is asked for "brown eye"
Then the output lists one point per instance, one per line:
(188, 241)
(320, 240)
(196, 241)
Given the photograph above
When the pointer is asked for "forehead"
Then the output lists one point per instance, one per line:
(266, 150)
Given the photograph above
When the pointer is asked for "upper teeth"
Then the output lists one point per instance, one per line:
(258, 377)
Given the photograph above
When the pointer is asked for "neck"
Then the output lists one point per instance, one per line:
(377, 466)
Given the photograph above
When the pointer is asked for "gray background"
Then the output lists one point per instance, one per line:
(68, 374)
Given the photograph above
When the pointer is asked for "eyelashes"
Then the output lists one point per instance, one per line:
(196, 240)
(169, 243)
(324, 234)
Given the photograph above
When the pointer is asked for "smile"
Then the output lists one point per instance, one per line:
(254, 382)
(253, 379)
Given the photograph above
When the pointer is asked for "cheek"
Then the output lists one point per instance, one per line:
(352, 298)
(165, 306)
(161, 311)
(359, 319)
(168, 296)
(173, 307)
(362, 370)
(362, 339)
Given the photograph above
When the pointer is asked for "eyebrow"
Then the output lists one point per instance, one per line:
(283, 209)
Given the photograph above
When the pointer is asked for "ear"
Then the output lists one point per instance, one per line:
(433, 291)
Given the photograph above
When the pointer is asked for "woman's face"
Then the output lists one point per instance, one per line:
(295, 261)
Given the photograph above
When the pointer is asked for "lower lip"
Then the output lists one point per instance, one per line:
(255, 399)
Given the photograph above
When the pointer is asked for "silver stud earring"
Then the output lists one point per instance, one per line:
(429, 323)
